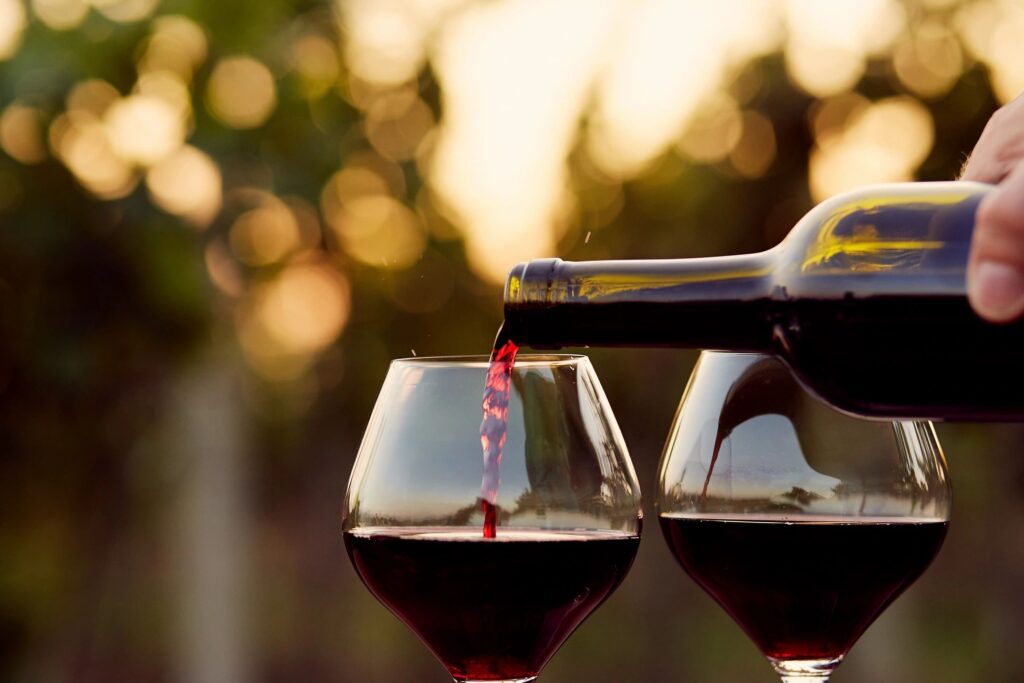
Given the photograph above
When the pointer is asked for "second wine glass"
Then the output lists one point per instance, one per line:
(803, 523)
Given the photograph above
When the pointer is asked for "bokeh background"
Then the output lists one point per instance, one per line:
(220, 220)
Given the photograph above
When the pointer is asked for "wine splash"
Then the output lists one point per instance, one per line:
(494, 427)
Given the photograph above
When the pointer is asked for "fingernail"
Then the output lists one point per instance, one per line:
(996, 291)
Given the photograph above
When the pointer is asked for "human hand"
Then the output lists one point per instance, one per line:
(995, 269)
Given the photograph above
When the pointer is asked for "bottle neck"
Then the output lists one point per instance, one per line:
(714, 303)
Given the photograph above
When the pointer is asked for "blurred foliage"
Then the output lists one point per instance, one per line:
(187, 186)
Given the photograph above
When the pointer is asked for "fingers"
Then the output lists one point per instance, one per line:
(995, 271)
(1000, 147)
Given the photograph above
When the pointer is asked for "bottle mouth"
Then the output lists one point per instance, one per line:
(530, 282)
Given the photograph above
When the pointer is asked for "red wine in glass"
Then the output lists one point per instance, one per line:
(804, 588)
(491, 609)
(494, 427)
(802, 522)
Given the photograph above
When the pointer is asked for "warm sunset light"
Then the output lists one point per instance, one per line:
(672, 57)
(829, 43)
(499, 161)
(387, 40)
(882, 142)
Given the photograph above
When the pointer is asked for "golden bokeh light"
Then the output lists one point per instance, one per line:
(714, 131)
(499, 162)
(755, 151)
(60, 15)
(830, 118)
(81, 142)
(397, 123)
(308, 221)
(178, 45)
(186, 184)
(517, 78)
(363, 175)
(929, 62)
(671, 57)
(223, 270)
(125, 11)
(241, 92)
(361, 94)
(883, 142)
(305, 307)
(375, 229)
(21, 133)
(169, 89)
(266, 234)
(823, 70)
(12, 24)
(143, 129)
(293, 317)
(386, 41)
(316, 60)
(829, 42)
(92, 97)
(993, 31)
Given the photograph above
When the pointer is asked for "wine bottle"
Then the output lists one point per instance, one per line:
(865, 300)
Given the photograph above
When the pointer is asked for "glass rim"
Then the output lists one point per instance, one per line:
(479, 361)
(719, 352)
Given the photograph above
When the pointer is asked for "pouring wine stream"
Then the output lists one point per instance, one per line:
(494, 427)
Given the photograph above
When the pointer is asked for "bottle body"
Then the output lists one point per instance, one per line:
(865, 300)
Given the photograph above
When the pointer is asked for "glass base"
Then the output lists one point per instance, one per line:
(805, 670)
(509, 680)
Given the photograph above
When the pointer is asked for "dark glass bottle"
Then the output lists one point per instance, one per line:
(865, 300)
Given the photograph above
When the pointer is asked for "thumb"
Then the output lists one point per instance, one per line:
(995, 271)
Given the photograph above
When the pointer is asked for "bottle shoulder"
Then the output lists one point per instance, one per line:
(880, 237)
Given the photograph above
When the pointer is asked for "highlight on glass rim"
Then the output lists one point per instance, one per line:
(748, 272)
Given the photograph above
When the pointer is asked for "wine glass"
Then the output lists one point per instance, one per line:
(802, 522)
(567, 509)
